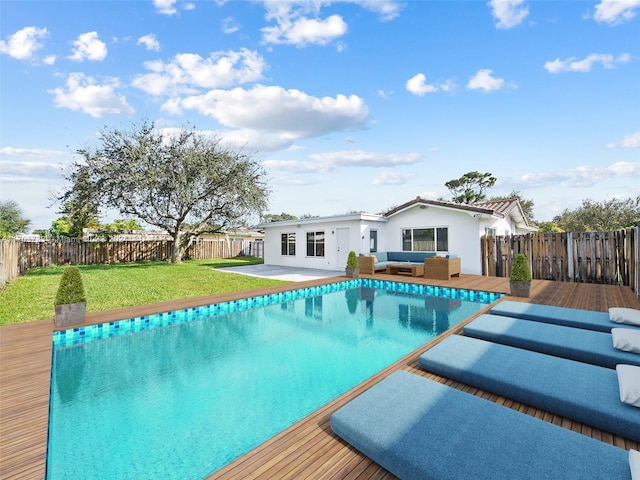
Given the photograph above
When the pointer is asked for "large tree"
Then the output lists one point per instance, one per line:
(80, 204)
(12, 221)
(183, 182)
(470, 187)
(602, 216)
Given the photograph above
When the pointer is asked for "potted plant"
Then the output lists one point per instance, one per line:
(352, 270)
(71, 302)
(520, 281)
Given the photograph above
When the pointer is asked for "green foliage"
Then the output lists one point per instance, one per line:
(471, 187)
(11, 220)
(106, 231)
(520, 270)
(274, 217)
(71, 288)
(605, 216)
(80, 203)
(181, 182)
(352, 260)
(30, 296)
(549, 227)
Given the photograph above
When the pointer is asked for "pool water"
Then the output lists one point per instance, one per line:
(183, 400)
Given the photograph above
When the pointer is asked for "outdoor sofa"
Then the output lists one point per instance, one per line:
(379, 261)
(589, 394)
(589, 346)
(417, 428)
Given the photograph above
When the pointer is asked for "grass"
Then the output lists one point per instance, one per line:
(30, 297)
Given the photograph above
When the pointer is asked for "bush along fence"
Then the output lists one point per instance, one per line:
(16, 257)
(589, 257)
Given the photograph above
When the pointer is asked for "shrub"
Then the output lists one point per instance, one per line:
(352, 260)
(520, 271)
(71, 288)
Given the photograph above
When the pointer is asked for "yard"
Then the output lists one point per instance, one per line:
(30, 297)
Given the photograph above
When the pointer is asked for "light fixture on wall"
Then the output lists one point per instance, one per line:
(332, 232)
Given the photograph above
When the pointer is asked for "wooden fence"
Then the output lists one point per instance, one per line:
(9, 254)
(16, 257)
(591, 257)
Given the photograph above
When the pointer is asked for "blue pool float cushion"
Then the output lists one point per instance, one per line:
(575, 390)
(569, 317)
(578, 344)
(417, 429)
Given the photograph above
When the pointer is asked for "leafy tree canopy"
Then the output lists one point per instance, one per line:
(526, 204)
(80, 204)
(470, 187)
(549, 227)
(604, 216)
(182, 182)
(275, 217)
(12, 221)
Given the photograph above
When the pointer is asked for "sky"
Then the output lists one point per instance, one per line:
(350, 105)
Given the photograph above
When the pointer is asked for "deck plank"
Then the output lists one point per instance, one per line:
(308, 449)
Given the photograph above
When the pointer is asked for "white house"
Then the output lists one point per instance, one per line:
(418, 225)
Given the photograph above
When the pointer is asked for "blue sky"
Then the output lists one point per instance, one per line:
(352, 105)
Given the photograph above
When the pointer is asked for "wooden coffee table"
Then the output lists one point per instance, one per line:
(405, 268)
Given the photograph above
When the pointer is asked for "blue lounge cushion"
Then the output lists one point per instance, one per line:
(579, 391)
(570, 317)
(578, 344)
(420, 429)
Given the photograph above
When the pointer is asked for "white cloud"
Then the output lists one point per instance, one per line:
(303, 31)
(83, 94)
(23, 44)
(292, 166)
(188, 72)
(30, 152)
(88, 47)
(614, 12)
(150, 42)
(629, 141)
(290, 113)
(393, 178)
(18, 172)
(166, 7)
(387, 9)
(49, 60)
(361, 158)
(508, 13)
(584, 176)
(229, 25)
(418, 85)
(484, 80)
(572, 65)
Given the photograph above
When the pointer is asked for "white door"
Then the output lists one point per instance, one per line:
(342, 241)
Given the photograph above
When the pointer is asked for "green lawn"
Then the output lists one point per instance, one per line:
(31, 296)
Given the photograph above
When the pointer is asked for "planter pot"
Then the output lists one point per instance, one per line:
(352, 272)
(70, 314)
(520, 289)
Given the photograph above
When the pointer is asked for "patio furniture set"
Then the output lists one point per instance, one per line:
(416, 264)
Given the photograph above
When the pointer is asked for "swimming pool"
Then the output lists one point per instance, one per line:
(181, 394)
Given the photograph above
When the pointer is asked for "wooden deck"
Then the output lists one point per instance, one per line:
(308, 449)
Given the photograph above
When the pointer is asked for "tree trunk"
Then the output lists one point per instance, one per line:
(176, 254)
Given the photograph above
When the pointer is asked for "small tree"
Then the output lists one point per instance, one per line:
(470, 187)
(11, 220)
(352, 260)
(520, 270)
(71, 288)
(184, 183)
(80, 204)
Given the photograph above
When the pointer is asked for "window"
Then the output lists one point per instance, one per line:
(434, 239)
(373, 241)
(490, 232)
(288, 244)
(315, 244)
